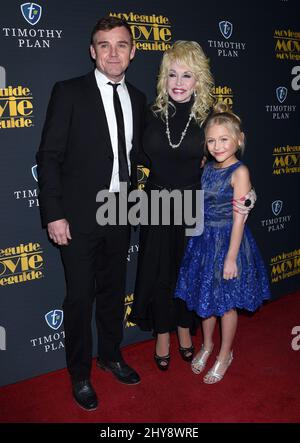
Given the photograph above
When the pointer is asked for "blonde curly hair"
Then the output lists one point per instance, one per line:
(190, 54)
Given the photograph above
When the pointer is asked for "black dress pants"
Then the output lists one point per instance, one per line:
(95, 270)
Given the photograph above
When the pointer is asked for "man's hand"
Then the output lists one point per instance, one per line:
(59, 231)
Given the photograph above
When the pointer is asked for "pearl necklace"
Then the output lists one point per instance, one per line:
(182, 134)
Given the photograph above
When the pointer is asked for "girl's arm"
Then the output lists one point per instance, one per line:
(240, 182)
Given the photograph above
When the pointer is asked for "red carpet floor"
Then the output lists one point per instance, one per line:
(262, 384)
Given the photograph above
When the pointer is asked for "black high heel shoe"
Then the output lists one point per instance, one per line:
(187, 354)
(162, 362)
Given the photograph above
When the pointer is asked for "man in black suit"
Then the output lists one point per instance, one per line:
(81, 153)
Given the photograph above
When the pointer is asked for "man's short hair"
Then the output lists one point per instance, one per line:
(107, 23)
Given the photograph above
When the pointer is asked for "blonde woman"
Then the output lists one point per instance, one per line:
(174, 153)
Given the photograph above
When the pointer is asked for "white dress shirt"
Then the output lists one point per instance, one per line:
(106, 92)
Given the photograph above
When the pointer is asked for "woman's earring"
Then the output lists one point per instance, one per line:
(195, 93)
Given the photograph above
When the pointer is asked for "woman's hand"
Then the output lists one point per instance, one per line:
(244, 204)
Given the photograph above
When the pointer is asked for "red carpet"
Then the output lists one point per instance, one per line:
(262, 384)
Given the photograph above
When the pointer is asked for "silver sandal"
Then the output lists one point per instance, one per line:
(199, 362)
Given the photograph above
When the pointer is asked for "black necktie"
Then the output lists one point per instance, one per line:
(123, 165)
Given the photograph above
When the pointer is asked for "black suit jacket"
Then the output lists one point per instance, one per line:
(75, 157)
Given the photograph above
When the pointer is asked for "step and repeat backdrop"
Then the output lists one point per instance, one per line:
(254, 49)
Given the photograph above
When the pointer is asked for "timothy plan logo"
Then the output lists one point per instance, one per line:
(55, 340)
(279, 222)
(276, 207)
(31, 12)
(54, 318)
(32, 37)
(226, 28)
(30, 196)
(281, 93)
(226, 48)
(281, 110)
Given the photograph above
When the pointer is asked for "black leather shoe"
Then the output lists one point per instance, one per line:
(122, 372)
(85, 396)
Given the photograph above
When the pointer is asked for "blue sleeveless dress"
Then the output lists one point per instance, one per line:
(200, 283)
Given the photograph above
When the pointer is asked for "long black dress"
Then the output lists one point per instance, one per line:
(161, 247)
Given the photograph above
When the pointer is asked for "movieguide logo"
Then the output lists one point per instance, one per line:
(128, 305)
(223, 94)
(287, 44)
(286, 160)
(16, 108)
(22, 263)
(285, 265)
(150, 32)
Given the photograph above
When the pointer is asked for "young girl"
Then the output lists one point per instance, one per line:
(222, 269)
